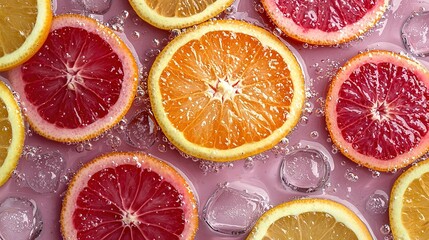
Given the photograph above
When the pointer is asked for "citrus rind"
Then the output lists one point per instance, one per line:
(346, 148)
(245, 150)
(34, 40)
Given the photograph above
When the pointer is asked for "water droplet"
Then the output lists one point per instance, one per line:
(314, 134)
(377, 202)
(385, 229)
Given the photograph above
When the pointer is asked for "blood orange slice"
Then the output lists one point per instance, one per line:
(325, 22)
(377, 110)
(80, 83)
(128, 196)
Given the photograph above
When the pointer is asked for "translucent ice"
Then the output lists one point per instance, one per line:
(234, 207)
(97, 6)
(415, 34)
(19, 219)
(377, 202)
(42, 171)
(305, 169)
(142, 130)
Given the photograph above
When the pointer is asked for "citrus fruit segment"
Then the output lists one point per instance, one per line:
(80, 83)
(408, 208)
(11, 133)
(172, 14)
(226, 90)
(310, 219)
(377, 110)
(24, 26)
(325, 22)
(128, 196)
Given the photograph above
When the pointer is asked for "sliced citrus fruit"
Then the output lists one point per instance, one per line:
(172, 14)
(81, 82)
(11, 133)
(409, 203)
(310, 219)
(226, 90)
(377, 110)
(128, 196)
(24, 26)
(325, 22)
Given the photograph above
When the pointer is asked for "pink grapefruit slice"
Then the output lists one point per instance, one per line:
(324, 22)
(81, 82)
(377, 110)
(126, 196)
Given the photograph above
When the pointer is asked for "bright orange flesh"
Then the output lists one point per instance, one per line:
(5, 132)
(171, 8)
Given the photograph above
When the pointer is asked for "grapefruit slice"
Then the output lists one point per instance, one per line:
(171, 14)
(128, 196)
(12, 132)
(325, 22)
(226, 90)
(81, 82)
(24, 27)
(310, 219)
(408, 208)
(377, 110)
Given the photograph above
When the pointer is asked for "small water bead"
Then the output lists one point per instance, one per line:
(113, 141)
(135, 34)
(249, 163)
(80, 148)
(230, 10)
(277, 32)
(162, 148)
(303, 120)
(377, 202)
(385, 229)
(351, 176)
(259, 8)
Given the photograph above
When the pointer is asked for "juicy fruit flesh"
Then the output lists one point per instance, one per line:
(328, 16)
(128, 202)
(74, 72)
(17, 24)
(233, 90)
(383, 110)
(179, 8)
(415, 212)
(5, 132)
(309, 225)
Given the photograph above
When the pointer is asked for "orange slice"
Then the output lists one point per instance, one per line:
(171, 14)
(376, 110)
(24, 27)
(310, 219)
(409, 203)
(81, 82)
(226, 90)
(12, 132)
(129, 196)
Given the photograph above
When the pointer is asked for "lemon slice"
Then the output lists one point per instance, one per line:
(310, 219)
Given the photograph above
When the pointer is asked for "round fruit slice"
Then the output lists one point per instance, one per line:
(325, 22)
(377, 110)
(408, 209)
(171, 14)
(310, 219)
(24, 27)
(226, 90)
(12, 133)
(128, 196)
(81, 82)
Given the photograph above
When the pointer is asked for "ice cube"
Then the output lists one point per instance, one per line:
(377, 202)
(234, 207)
(415, 34)
(19, 219)
(142, 130)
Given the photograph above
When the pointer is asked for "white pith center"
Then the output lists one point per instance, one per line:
(224, 89)
(73, 78)
(380, 111)
(130, 218)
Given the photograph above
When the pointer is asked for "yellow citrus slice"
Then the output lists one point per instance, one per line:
(24, 26)
(226, 90)
(409, 203)
(310, 219)
(171, 14)
(11, 133)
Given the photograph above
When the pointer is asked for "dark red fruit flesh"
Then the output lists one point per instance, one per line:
(383, 110)
(325, 15)
(128, 202)
(74, 79)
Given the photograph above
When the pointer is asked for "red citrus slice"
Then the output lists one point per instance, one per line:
(128, 196)
(80, 83)
(325, 22)
(377, 110)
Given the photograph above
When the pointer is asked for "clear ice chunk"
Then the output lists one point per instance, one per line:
(305, 169)
(142, 130)
(378, 202)
(234, 207)
(415, 34)
(42, 171)
(19, 219)
(95, 6)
